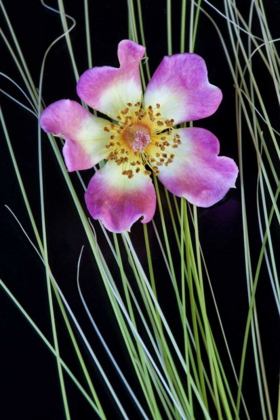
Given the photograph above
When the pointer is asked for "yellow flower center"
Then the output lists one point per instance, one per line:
(141, 137)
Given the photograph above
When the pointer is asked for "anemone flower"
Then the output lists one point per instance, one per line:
(141, 138)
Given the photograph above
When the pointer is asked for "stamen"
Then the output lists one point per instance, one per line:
(135, 130)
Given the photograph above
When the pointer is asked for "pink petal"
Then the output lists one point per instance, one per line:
(118, 201)
(109, 89)
(84, 133)
(180, 85)
(197, 173)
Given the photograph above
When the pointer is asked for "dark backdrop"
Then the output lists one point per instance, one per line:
(29, 382)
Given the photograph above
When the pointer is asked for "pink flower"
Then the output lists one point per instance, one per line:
(141, 137)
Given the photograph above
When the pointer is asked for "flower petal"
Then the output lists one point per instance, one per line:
(84, 133)
(197, 173)
(109, 89)
(118, 201)
(180, 85)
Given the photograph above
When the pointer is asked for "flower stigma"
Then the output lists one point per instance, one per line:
(141, 141)
(140, 138)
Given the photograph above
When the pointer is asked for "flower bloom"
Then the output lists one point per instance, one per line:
(140, 137)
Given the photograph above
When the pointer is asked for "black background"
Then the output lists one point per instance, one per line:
(29, 383)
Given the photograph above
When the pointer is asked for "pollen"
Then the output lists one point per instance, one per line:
(143, 140)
